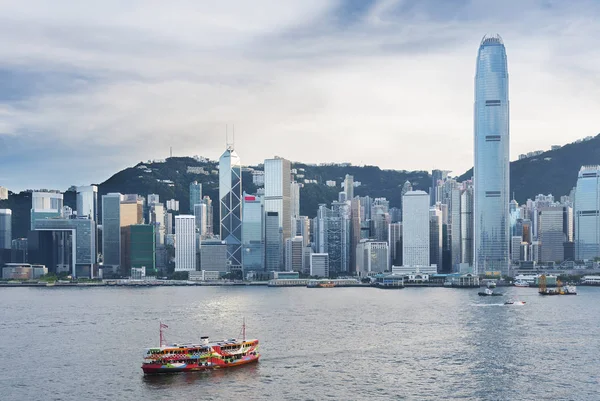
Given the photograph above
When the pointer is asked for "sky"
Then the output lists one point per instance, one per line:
(88, 88)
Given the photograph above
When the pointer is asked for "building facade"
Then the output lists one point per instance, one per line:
(230, 206)
(491, 168)
(587, 213)
(185, 243)
(415, 228)
(5, 228)
(253, 234)
(278, 192)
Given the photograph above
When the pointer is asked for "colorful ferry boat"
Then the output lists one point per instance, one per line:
(206, 355)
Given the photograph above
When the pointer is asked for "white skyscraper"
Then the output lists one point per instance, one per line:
(587, 213)
(87, 202)
(415, 228)
(185, 243)
(277, 192)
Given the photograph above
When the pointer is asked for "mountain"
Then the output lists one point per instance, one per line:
(551, 172)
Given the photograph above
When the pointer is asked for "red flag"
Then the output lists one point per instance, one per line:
(163, 326)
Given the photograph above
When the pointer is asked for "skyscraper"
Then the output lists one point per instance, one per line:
(230, 205)
(201, 215)
(45, 205)
(415, 228)
(111, 230)
(273, 243)
(87, 202)
(5, 228)
(277, 192)
(185, 243)
(587, 213)
(466, 226)
(491, 168)
(349, 186)
(293, 254)
(195, 194)
(294, 202)
(253, 234)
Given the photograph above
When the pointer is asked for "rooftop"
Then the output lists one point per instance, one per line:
(495, 39)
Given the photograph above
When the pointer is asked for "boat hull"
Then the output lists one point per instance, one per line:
(156, 368)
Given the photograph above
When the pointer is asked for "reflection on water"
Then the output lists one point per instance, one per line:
(213, 377)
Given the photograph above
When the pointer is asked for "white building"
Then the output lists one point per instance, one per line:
(173, 204)
(258, 178)
(3, 193)
(278, 185)
(587, 213)
(319, 264)
(372, 256)
(415, 228)
(87, 202)
(185, 243)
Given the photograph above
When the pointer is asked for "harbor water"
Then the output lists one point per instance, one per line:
(316, 344)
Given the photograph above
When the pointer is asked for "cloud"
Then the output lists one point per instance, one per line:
(89, 88)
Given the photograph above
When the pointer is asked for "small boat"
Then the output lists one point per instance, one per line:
(520, 283)
(514, 303)
(489, 293)
(205, 355)
(491, 284)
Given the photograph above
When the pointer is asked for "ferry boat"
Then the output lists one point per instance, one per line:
(489, 293)
(205, 355)
(520, 283)
(321, 284)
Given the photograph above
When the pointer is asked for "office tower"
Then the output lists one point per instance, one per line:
(319, 264)
(303, 229)
(491, 169)
(372, 256)
(72, 244)
(213, 255)
(349, 187)
(111, 231)
(436, 240)
(5, 228)
(253, 242)
(142, 242)
(87, 202)
(380, 223)
(365, 208)
(293, 252)
(195, 194)
(355, 231)
(551, 233)
(333, 235)
(294, 201)
(185, 243)
(258, 178)
(454, 223)
(173, 205)
(3, 193)
(407, 187)
(153, 199)
(515, 248)
(157, 218)
(201, 216)
(587, 213)
(466, 226)
(45, 205)
(395, 244)
(415, 229)
(277, 192)
(306, 252)
(395, 214)
(209, 215)
(273, 242)
(230, 205)
(132, 210)
(568, 221)
(341, 196)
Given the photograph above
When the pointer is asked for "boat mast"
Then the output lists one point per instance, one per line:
(244, 330)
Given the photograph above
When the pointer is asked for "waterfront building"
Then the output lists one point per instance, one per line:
(306, 252)
(45, 205)
(319, 264)
(253, 234)
(195, 194)
(395, 243)
(185, 243)
(213, 256)
(70, 245)
(5, 228)
(332, 235)
(293, 254)
(491, 168)
(355, 228)
(142, 242)
(111, 231)
(230, 205)
(372, 256)
(436, 239)
(273, 242)
(515, 248)
(277, 192)
(587, 213)
(415, 228)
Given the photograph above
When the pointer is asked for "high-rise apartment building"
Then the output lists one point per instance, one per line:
(277, 192)
(491, 169)
(230, 205)
(5, 228)
(415, 228)
(195, 194)
(185, 243)
(587, 213)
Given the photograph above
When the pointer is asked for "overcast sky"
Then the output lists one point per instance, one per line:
(90, 87)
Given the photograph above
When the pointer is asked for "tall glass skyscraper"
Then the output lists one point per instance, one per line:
(491, 168)
(587, 213)
(230, 205)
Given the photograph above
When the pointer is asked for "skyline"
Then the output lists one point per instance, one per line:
(83, 105)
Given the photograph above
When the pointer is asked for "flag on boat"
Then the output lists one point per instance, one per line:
(163, 326)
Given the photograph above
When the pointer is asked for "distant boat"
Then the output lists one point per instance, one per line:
(514, 303)
(520, 283)
(489, 293)
(491, 284)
